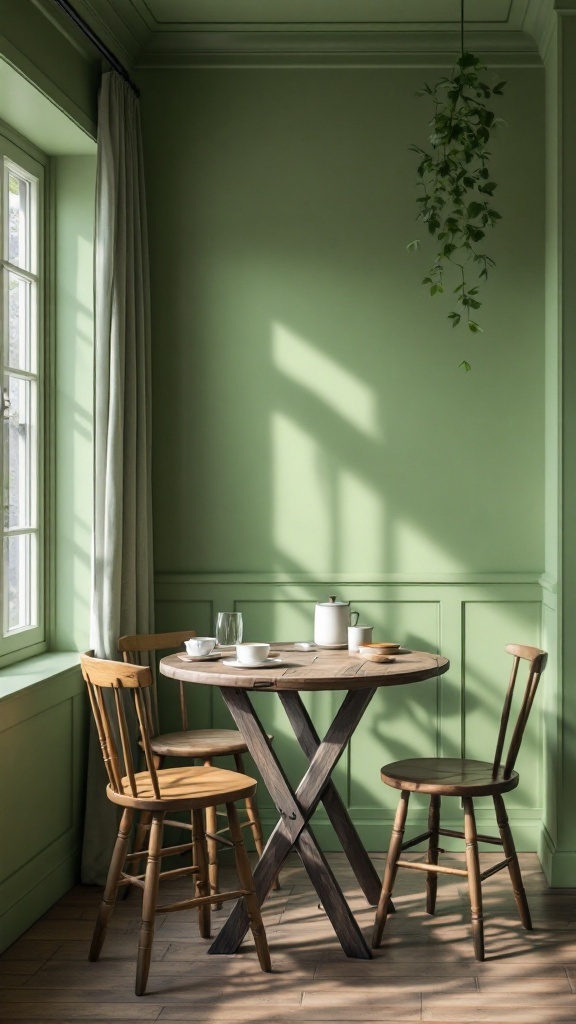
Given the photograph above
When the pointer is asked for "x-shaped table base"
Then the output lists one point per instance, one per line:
(296, 809)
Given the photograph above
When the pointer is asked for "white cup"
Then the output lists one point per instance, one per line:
(358, 635)
(200, 646)
(252, 654)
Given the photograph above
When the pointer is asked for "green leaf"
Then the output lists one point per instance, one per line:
(474, 327)
(474, 210)
(488, 188)
(465, 366)
(414, 245)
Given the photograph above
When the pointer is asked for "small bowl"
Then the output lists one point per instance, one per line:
(200, 646)
(371, 653)
(252, 654)
(386, 648)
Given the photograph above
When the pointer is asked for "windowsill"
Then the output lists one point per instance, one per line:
(39, 669)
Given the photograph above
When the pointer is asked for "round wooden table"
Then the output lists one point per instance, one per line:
(306, 671)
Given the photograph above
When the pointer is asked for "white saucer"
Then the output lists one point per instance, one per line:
(199, 657)
(234, 663)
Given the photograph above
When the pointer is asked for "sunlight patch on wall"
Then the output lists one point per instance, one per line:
(413, 546)
(337, 387)
(361, 523)
(302, 527)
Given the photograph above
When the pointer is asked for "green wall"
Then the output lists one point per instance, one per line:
(312, 431)
(75, 179)
(308, 401)
(43, 708)
(32, 43)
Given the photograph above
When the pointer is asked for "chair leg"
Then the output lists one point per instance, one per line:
(513, 866)
(432, 876)
(211, 829)
(253, 815)
(111, 887)
(474, 884)
(142, 829)
(139, 844)
(149, 902)
(201, 862)
(390, 869)
(247, 883)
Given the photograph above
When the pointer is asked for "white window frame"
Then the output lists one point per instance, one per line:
(27, 640)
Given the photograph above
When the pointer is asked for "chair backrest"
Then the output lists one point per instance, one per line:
(135, 646)
(536, 664)
(122, 681)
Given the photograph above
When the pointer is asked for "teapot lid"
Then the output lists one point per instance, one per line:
(333, 603)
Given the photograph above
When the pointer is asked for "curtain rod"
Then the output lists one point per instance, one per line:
(97, 42)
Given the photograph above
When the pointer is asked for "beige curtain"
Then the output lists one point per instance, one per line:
(122, 572)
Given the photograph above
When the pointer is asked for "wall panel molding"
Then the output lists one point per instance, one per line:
(468, 617)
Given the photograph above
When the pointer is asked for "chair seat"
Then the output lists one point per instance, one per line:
(199, 743)
(447, 776)
(185, 788)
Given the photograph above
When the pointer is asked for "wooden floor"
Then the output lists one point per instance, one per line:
(424, 972)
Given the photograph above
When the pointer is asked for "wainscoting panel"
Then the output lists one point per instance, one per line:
(43, 731)
(468, 619)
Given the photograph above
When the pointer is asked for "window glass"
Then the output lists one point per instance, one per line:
(21, 468)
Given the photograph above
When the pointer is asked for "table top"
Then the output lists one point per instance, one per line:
(318, 669)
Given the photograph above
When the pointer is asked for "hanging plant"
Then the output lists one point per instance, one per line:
(456, 185)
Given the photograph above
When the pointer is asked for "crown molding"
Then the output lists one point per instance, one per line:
(141, 40)
(328, 47)
(116, 23)
(539, 22)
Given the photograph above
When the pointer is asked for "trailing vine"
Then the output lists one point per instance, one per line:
(457, 189)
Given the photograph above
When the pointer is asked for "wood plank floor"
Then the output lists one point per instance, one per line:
(425, 970)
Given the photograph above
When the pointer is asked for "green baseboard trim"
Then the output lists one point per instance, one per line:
(375, 835)
(23, 913)
(559, 865)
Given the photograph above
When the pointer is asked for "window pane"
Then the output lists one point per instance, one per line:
(20, 582)
(21, 318)
(20, 455)
(19, 251)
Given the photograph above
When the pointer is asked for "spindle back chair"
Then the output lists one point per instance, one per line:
(193, 745)
(465, 778)
(159, 792)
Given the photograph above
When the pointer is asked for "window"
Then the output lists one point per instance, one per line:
(21, 406)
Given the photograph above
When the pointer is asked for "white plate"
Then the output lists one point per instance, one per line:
(234, 663)
(199, 657)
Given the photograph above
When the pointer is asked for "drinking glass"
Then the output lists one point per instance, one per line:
(229, 628)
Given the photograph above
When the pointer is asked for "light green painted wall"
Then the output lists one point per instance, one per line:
(43, 721)
(312, 431)
(552, 696)
(75, 179)
(309, 412)
(459, 713)
(68, 76)
(43, 709)
(566, 182)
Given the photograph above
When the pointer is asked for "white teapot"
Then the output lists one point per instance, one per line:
(331, 621)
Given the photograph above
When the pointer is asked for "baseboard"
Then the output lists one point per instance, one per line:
(559, 865)
(22, 914)
(375, 835)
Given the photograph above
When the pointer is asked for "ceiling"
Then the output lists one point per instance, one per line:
(186, 32)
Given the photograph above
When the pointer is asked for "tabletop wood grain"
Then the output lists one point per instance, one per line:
(310, 670)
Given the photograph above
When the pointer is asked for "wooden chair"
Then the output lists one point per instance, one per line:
(158, 793)
(193, 745)
(464, 778)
